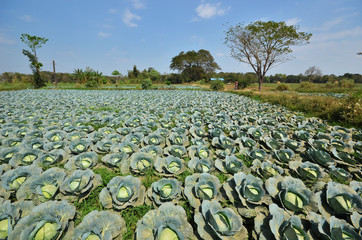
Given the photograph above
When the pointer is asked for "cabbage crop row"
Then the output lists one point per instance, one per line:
(251, 170)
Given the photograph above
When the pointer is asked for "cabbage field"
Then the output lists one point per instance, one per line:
(169, 165)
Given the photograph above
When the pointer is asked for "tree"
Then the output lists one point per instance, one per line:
(313, 73)
(118, 74)
(263, 45)
(194, 65)
(34, 42)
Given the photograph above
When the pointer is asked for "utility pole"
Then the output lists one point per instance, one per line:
(53, 77)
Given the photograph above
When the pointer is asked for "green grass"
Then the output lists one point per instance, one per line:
(337, 111)
(131, 216)
(149, 177)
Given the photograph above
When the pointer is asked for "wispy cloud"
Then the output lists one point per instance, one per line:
(209, 10)
(293, 21)
(102, 34)
(345, 34)
(26, 18)
(330, 24)
(5, 40)
(113, 10)
(138, 4)
(129, 18)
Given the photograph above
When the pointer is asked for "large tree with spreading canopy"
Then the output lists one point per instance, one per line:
(264, 45)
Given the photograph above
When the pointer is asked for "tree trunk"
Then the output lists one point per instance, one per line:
(260, 78)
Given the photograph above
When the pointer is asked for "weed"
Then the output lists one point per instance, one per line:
(131, 216)
(222, 177)
(149, 177)
(183, 176)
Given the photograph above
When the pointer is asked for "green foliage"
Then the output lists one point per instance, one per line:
(263, 44)
(168, 82)
(34, 42)
(346, 83)
(282, 87)
(131, 217)
(217, 85)
(146, 84)
(194, 65)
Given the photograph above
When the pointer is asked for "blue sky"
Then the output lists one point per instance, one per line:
(108, 35)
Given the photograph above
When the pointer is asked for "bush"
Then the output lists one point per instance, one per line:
(91, 83)
(305, 85)
(217, 85)
(243, 83)
(346, 83)
(282, 87)
(168, 82)
(38, 81)
(146, 84)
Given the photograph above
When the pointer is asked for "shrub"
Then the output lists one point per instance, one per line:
(346, 83)
(282, 87)
(168, 82)
(217, 85)
(91, 83)
(146, 84)
(243, 83)
(305, 85)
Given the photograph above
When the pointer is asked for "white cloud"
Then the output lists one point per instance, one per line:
(292, 21)
(5, 40)
(138, 4)
(330, 24)
(26, 18)
(129, 17)
(345, 34)
(209, 10)
(102, 34)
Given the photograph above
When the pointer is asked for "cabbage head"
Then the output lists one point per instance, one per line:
(246, 191)
(114, 159)
(165, 223)
(79, 146)
(25, 157)
(177, 139)
(176, 151)
(266, 169)
(290, 192)
(231, 164)
(12, 179)
(156, 151)
(155, 140)
(170, 166)
(82, 161)
(43, 187)
(138, 163)
(284, 226)
(201, 165)
(342, 198)
(79, 185)
(200, 152)
(122, 192)
(53, 157)
(165, 190)
(46, 221)
(215, 222)
(6, 154)
(104, 146)
(99, 225)
(199, 187)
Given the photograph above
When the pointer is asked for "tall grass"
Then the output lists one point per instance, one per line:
(341, 111)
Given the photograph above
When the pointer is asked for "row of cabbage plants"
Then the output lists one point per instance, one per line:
(253, 170)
